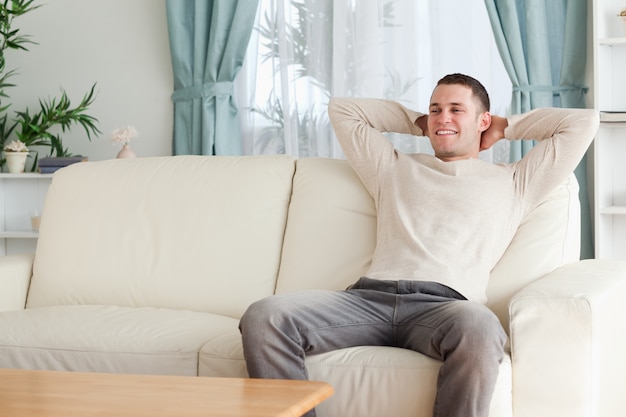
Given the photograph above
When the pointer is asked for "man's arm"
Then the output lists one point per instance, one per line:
(382, 115)
(563, 134)
(359, 124)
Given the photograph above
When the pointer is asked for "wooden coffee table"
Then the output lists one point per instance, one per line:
(67, 394)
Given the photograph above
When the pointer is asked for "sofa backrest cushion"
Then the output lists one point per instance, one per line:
(331, 235)
(189, 232)
(548, 237)
(331, 231)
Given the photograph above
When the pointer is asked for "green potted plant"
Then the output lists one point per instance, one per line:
(37, 129)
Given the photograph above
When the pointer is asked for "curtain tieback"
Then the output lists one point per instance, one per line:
(548, 88)
(223, 88)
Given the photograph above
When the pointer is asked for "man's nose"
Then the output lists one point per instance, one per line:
(445, 116)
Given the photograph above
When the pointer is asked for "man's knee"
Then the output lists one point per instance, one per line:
(258, 314)
(274, 312)
(479, 329)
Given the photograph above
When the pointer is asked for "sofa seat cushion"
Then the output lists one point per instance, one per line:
(398, 382)
(108, 339)
(222, 356)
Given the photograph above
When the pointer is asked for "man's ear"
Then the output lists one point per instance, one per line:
(485, 121)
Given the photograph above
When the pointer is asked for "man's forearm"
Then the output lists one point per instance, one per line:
(545, 123)
(382, 115)
(564, 136)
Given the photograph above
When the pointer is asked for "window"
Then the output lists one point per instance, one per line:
(302, 52)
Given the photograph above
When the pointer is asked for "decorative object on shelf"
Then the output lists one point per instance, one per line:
(15, 154)
(126, 153)
(21, 195)
(122, 136)
(622, 15)
(35, 220)
(613, 116)
(50, 165)
(36, 129)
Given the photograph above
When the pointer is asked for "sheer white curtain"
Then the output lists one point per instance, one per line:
(304, 51)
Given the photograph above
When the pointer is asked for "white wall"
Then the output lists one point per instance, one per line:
(122, 45)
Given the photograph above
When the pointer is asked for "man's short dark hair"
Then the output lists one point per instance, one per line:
(477, 88)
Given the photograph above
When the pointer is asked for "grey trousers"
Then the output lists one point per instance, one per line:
(427, 317)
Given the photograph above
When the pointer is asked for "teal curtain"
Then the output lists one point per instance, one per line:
(208, 40)
(543, 45)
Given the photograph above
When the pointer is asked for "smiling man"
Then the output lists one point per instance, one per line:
(443, 222)
(456, 118)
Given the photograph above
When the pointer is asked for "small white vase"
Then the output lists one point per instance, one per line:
(126, 153)
(16, 161)
(623, 18)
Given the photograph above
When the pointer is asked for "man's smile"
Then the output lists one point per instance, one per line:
(445, 132)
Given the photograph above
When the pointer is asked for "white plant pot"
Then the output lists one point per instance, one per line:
(623, 19)
(16, 161)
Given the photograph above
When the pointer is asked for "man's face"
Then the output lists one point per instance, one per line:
(455, 122)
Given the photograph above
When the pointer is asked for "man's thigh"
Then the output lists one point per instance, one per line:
(328, 320)
(426, 326)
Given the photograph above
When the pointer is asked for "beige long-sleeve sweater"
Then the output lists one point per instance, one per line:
(450, 222)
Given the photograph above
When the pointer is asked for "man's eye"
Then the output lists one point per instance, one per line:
(434, 111)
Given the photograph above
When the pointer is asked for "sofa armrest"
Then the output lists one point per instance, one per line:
(568, 332)
(15, 274)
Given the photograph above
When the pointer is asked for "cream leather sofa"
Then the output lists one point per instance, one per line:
(146, 265)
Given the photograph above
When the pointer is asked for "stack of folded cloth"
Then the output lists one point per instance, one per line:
(49, 165)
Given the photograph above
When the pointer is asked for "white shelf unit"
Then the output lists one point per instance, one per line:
(609, 58)
(20, 194)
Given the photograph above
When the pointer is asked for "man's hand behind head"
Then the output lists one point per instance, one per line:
(422, 123)
(494, 133)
